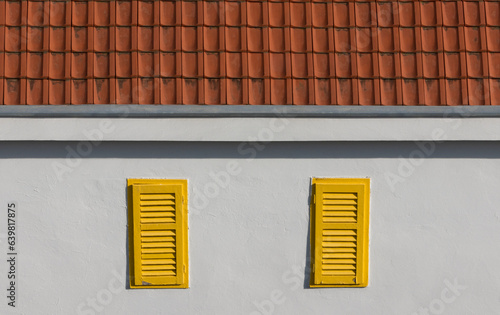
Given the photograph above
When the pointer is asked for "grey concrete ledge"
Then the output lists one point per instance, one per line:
(243, 129)
(245, 111)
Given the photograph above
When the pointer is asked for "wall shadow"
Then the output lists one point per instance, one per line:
(308, 268)
(245, 150)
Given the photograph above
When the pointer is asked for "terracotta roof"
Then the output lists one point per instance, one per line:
(250, 52)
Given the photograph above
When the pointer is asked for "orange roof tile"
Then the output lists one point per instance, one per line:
(250, 52)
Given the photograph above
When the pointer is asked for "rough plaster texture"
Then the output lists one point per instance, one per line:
(439, 224)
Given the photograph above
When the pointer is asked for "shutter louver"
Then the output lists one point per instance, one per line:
(159, 235)
(340, 232)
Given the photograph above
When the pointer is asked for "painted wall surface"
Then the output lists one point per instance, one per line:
(279, 128)
(434, 226)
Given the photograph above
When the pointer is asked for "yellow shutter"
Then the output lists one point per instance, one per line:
(158, 233)
(339, 232)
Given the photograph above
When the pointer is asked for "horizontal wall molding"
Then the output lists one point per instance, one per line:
(256, 129)
(200, 111)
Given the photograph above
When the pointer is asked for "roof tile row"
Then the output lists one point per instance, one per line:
(250, 52)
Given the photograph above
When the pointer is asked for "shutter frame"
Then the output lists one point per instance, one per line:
(161, 230)
(344, 228)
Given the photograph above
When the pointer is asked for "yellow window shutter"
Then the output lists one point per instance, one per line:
(339, 232)
(158, 233)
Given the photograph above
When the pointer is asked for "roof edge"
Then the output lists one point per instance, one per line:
(245, 111)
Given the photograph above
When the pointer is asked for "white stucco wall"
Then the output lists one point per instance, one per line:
(434, 226)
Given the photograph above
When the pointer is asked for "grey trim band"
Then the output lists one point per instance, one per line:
(244, 111)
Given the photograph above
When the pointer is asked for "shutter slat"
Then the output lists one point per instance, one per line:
(157, 196)
(339, 244)
(157, 202)
(347, 202)
(157, 250)
(340, 214)
(339, 273)
(337, 207)
(339, 196)
(333, 205)
(158, 239)
(157, 214)
(338, 267)
(338, 255)
(339, 232)
(156, 208)
(159, 267)
(153, 256)
(339, 250)
(339, 238)
(156, 227)
(158, 233)
(158, 261)
(338, 261)
(158, 245)
(339, 220)
(159, 273)
(157, 220)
